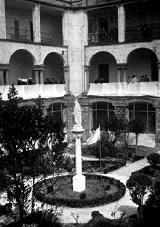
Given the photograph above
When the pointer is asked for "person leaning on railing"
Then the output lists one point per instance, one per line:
(133, 79)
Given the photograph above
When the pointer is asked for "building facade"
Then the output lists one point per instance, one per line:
(85, 48)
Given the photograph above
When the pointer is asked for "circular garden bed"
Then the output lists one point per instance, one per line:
(99, 190)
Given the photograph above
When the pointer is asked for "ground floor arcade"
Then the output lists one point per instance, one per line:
(98, 110)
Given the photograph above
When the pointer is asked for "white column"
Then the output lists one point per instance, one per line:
(78, 155)
(66, 77)
(1, 77)
(86, 78)
(7, 77)
(121, 23)
(79, 180)
(65, 27)
(36, 23)
(4, 74)
(119, 75)
(2, 20)
(158, 64)
(121, 72)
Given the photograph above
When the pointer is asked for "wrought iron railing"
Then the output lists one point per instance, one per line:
(143, 32)
(50, 38)
(20, 35)
(103, 37)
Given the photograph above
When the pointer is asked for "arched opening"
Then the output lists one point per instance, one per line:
(21, 65)
(102, 113)
(103, 68)
(56, 110)
(144, 112)
(142, 63)
(53, 73)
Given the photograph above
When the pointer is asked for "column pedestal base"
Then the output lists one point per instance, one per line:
(79, 183)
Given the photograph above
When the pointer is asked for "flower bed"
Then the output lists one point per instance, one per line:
(96, 193)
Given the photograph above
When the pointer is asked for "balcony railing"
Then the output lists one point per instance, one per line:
(51, 39)
(125, 89)
(143, 32)
(103, 38)
(26, 36)
(34, 91)
(21, 35)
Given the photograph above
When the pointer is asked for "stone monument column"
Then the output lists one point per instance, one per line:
(79, 183)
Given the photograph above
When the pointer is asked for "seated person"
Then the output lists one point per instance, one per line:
(22, 81)
(29, 80)
(144, 78)
(133, 79)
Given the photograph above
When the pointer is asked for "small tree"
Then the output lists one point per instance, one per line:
(154, 159)
(137, 127)
(139, 185)
(151, 209)
(54, 132)
(113, 130)
(20, 130)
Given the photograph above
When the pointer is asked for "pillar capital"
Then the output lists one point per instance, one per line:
(120, 103)
(38, 68)
(66, 68)
(87, 68)
(122, 66)
(4, 67)
(158, 64)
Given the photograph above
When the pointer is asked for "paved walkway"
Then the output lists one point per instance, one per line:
(69, 215)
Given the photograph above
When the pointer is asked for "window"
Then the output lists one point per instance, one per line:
(144, 112)
(31, 31)
(16, 27)
(102, 113)
(56, 110)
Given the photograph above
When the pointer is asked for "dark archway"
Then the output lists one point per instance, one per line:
(103, 68)
(21, 65)
(142, 62)
(54, 72)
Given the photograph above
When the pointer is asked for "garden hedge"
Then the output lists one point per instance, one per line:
(109, 198)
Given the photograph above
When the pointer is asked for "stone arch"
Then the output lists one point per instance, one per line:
(54, 71)
(142, 61)
(21, 64)
(103, 68)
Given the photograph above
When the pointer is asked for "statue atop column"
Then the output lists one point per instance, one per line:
(77, 113)
(79, 182)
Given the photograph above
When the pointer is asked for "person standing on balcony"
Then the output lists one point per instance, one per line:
(133, 79)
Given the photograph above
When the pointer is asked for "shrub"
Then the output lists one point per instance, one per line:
(88, 202)
(154, 159)
(68, 164)
(50, 188)
(107, 187)
(83, 196)
(5, 209)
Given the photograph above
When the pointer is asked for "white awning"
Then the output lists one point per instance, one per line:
(125, 89)
(34, 91)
